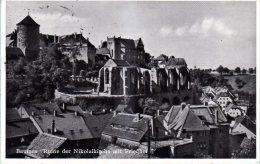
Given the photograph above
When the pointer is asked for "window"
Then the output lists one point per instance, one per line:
(107, 76)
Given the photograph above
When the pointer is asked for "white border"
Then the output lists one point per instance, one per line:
(119, 161)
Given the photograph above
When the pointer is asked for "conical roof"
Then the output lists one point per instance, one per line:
(28, 21)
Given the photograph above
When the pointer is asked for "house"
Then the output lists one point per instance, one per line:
(97, 123)
(129, 50)
(130, 130)
(77, 42)
(79, 132)
(243, 125)
(46, 146)
(35, 109)
(19, 134)
(205, 125)
(223, 99)
(233, 111)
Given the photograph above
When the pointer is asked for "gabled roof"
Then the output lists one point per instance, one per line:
(75, 39)
(97, 123)
(13, 53)
(127, 43)
(46, 108)
(193, 117)
(44, 142)
(118, 63)
(176, 62)
(19, 128)
(68, 125)
(247, 122)
(128, 126)
(28, 21)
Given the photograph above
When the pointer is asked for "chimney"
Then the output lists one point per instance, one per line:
(64, 106)
(216, 116)
(58, 39)
(76, 113)
(183, 105)
(54, 41)
(75, 35)
(53, 127)
(158, 112)
(54, 113)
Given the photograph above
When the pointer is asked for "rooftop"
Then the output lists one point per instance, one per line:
(70, 126)
(44, 142)
(20, 127)
(28, 21)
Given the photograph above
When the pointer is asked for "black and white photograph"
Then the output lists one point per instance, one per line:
(129, 80)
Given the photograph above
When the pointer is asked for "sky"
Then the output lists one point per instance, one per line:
(206, 34)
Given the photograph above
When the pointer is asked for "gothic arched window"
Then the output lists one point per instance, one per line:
(107, 76)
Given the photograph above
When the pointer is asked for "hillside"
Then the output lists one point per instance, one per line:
(250, 81)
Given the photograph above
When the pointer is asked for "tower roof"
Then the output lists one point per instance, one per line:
(28, 21)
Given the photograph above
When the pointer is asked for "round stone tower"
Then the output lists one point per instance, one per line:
(28, 32)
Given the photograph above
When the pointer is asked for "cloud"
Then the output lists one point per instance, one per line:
(206, 27)
(166, 31)
(57, 22)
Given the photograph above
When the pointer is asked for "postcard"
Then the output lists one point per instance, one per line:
(104, 81)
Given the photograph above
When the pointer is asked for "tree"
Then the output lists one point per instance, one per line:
(251, 70)
(238, 70)
(220, 69)
(244, 71)
(226, 70)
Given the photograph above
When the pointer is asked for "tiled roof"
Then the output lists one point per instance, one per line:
(12, 114)
(127, 126)
(20, 127)
(121, 62)
(44, 141)
(13, 53)
(47, 108)
(192, 117)
(97, 123)
(28, 21)
(67, 125)
(247, 122)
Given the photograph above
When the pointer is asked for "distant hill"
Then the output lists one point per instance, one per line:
(250, 81)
